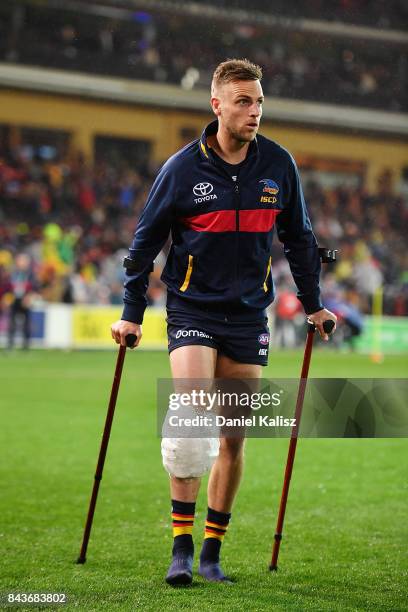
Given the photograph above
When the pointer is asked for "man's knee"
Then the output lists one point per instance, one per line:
(189, 457)
(232, 448)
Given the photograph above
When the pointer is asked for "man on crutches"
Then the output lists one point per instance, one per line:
(220, 197)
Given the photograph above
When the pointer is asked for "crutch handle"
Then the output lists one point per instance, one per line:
(328, 326)
(130, 340)
(327, 255)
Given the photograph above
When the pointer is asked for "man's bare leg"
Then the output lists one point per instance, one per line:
(190, 362)
(224, 479)
(187, 363)
(227, 471)
(226, 474)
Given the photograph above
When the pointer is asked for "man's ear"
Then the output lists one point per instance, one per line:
(216, 106)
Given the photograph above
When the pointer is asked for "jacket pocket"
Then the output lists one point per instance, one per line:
(186, 282)
(268, 270)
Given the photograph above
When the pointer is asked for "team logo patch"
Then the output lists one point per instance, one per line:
(264, 338)
(269, 186)
(202, 189)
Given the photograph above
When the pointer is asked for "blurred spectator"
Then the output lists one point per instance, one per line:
(19, 287)
(287, 309)
(343, 303)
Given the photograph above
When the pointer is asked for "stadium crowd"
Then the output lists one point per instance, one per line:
(374, 13)
(76, 221)
(152, 46)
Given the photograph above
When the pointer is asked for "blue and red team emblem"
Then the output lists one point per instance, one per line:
(270, 186)
(264, 338)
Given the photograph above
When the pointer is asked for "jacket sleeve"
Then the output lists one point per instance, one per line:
(300, 245)
(151, 234)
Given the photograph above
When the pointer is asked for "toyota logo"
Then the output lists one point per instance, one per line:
(202, 189)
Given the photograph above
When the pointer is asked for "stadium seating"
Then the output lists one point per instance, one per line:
(299, 63)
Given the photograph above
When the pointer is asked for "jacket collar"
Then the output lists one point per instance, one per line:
(205, 151)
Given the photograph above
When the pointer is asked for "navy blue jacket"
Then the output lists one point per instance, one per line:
(222, 231)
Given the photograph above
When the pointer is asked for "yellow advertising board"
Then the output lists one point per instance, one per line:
(91, 327)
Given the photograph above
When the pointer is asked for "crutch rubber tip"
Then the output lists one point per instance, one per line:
(273, 568)
(81, 560)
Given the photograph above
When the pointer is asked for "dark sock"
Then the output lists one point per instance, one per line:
(215, 528)
(182, 515)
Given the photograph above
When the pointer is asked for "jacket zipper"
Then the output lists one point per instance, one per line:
(238, 205)
(237, 208)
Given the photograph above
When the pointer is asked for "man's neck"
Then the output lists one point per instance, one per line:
(229, 149)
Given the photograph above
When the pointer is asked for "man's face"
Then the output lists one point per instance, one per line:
(238, 106)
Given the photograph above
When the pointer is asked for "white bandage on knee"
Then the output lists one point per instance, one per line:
(189, 457)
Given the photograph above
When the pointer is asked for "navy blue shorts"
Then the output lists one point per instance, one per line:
(244, 341)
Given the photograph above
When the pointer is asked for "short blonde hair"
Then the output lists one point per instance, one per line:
(235, 70)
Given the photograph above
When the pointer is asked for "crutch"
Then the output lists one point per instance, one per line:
(328, 327)
(130, 341)
(326, 256)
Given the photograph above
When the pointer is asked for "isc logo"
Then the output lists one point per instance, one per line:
(268, 199)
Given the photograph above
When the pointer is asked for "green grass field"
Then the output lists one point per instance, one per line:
(346, 530)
